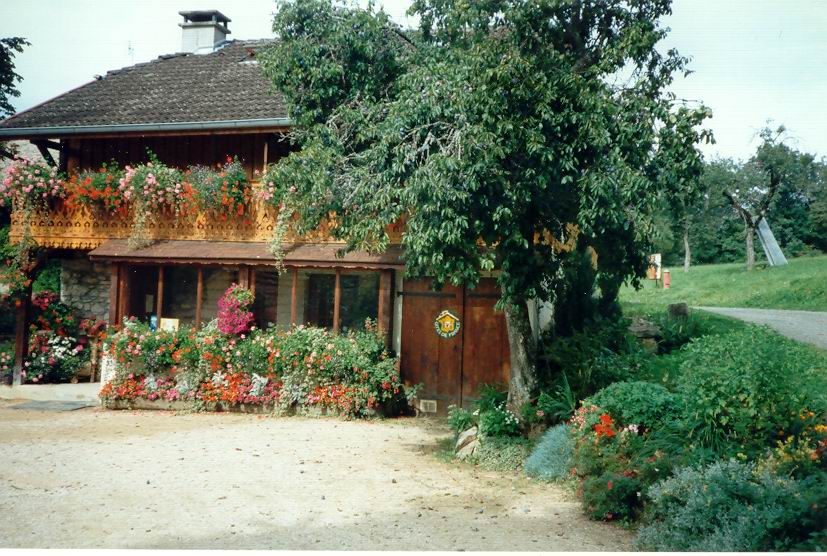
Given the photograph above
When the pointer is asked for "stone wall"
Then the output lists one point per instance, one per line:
(85, 285)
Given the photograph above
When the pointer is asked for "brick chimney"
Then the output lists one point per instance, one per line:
(203, 31)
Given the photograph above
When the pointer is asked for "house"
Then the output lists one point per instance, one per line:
(197, 107)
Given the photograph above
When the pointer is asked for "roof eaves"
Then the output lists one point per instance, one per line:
(64, 131)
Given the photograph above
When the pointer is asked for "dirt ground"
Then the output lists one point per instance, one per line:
(123, 479)
(805, 326)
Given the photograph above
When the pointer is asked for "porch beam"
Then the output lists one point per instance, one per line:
(199, 297)
(337, 300)
(21, 337)
(293, 296)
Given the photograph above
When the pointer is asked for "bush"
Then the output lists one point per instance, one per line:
(612, 496)
(601, 354)
(498, 421)
(638, 403)
(551, 458)
(728, 506)
(504, 454)
(460, 419)
(745, 390)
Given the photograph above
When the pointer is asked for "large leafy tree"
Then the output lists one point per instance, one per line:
(514, 135)
(8, 77)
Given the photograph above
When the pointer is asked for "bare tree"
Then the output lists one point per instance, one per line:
(759, 180)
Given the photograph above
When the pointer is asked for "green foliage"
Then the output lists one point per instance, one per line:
(588, 360)
(473, 134)
(612, 496)
(560, 405)
(551, 458)
(460, 419)
(728, 506)
(48, 278)
(747, 389)
(9, 79)
(638, 403)
(502, 453)
(498, 421)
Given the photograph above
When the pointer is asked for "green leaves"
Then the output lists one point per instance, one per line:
(494, 125)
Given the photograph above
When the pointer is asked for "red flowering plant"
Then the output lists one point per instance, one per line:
(99, 189)
(224, 191)
(14, 285)
(30, 186)
(234, 315)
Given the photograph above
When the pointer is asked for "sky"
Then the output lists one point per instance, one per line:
(753, 61)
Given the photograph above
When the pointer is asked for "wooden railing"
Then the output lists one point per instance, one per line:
(85, 228)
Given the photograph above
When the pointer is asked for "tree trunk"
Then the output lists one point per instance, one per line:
(687, 255)
(523, 380)
(750, 237)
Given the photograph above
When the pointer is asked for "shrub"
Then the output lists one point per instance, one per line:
(54, 358)
(728, 506)
(498, 421)
(612, 496)
(745, 390)
(460, 419)
(551, 458)
(638, 403)
(504, 453)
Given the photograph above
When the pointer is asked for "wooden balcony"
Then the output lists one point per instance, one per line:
(84, 228)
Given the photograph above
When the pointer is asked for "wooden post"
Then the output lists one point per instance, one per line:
(380, 308)
(159, 297)
(21, 337)
(114, 287)
(199, 294)
(293, 296)
(253, 281)
(123, 292)
(337, 300)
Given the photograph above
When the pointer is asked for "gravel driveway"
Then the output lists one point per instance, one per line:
(805, 326)
(122, 479)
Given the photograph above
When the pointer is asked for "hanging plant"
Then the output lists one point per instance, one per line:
(14, 284)
(273, 192)
(150, 188)
(224, 191)
(30, 186)
(234, 315)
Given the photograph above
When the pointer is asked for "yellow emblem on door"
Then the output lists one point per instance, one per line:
(447, 324)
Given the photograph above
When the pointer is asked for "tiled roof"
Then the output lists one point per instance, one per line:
(221, 86)
(240, 252)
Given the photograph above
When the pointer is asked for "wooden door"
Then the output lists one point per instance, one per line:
(485, 353)
(427, 358)
(452, 369)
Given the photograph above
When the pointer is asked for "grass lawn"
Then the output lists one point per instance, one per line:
(800, 285)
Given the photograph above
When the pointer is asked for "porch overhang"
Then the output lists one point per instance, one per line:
(198, 252)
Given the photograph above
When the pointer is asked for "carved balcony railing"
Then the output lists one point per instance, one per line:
(86, 228)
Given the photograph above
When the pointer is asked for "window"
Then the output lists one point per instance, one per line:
(359, 299)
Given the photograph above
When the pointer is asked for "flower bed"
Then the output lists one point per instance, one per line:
(303, 369)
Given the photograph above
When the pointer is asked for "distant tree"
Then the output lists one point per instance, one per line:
(501, 132)
(8, 78)
(681, 168)
(756, 185)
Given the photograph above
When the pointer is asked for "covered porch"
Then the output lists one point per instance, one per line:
(179, 282)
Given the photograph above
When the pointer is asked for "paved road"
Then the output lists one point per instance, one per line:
(805, 326)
